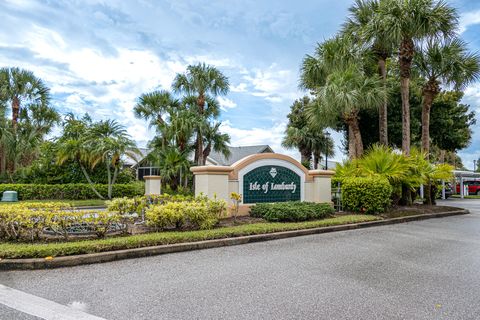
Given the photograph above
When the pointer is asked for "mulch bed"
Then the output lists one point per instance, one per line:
(416, 209)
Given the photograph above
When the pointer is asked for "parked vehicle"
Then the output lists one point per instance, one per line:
(473, 187)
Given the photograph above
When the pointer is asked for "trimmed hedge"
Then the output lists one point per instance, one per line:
(366, 195)
(73, 191)
(292, 211)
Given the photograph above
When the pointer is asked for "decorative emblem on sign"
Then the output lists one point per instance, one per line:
(273, 172)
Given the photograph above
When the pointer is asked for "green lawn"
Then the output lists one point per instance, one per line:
(73, 203)
(41, 250)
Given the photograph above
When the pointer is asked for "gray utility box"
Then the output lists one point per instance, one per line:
(10, 196)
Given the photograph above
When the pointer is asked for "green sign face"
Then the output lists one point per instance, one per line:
(271, 184)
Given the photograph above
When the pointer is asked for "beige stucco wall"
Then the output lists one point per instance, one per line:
(153, 185)
(309, 190)
(211, 185)
(322, 189)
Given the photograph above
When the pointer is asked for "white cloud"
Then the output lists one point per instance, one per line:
(274, 84)
(273, 136)
(226, 103)
(241, 87)
(468, 19)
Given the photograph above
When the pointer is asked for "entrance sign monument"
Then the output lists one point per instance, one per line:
(265, 177)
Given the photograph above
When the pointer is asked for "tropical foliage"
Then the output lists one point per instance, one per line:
(400, 170)
(186, 125)
(90, 144)
(26, 117)
(311, 141)
(407, 48)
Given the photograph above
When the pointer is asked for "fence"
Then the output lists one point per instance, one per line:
(337, 198)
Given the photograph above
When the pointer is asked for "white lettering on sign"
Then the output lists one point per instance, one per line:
(268, 186)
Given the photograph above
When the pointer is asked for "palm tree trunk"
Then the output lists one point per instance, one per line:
(442, 156)
(15, 112)
(406, 53)
(90, 182)
(427, 105)
(428, 97)
(316, 160)
(3, 160)
(357, 137)
(405, 115)
(114, 179)
(109, 181)
(351, 142)
(201, 159)
(383, 110)
(305, 157)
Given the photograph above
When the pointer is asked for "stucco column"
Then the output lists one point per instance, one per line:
(153, 185)
(212, 181)
(322, 185)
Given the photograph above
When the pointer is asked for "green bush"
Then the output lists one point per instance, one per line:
(27, 221)
(291, 211)
(73, 191)
(366, 195)
(200, 213)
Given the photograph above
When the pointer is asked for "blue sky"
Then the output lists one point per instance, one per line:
(99, 56)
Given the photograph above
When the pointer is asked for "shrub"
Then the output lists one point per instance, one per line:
(291, 211)
(139, 204)
(200, 213)
(28, 221)
(366, 195)
(168, 215)
(74, 191)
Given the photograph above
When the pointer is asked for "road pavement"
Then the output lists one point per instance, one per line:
(418, 270)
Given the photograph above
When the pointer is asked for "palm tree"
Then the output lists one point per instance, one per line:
(344, 94)
(446, 63)
(72, 145)
(202, 83)
(337, 76)
(407, 22)
(298, 138)
(358, 25)
(213, 139)
(310, 142)
(299, 132)
(27, 98)
(20, 88)
(153, 106)
(173, 164)
(107, 142)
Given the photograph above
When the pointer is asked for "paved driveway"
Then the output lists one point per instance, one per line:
(420, 270)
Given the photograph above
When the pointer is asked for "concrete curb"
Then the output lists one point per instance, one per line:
(69, 261)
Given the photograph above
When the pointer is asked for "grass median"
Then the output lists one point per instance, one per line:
(11, 250)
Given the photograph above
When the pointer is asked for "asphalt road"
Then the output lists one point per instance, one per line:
(420, 270)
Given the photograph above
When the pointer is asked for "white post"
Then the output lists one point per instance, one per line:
(443, 189)
(421, 191)
(153, 185)
(461, 188)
